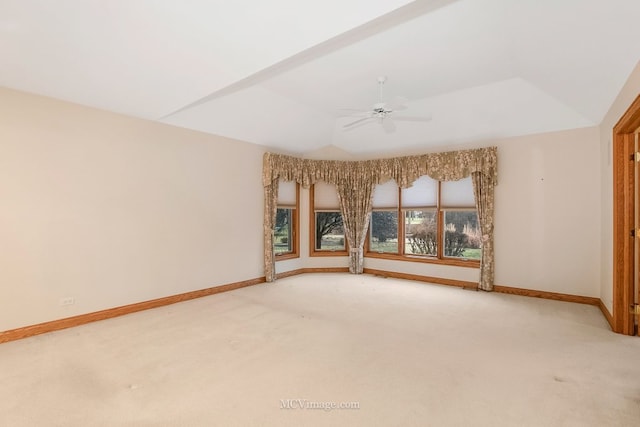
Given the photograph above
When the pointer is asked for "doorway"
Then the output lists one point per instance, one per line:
(626, 230)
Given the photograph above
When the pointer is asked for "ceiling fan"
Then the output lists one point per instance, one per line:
(382, 112)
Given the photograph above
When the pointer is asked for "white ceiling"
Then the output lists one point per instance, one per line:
(277, 72)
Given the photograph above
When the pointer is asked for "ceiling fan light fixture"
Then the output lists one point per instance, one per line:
(381, 110)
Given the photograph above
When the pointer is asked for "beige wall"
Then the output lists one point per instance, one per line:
(622, 102)
(113, 210)
(548, 212)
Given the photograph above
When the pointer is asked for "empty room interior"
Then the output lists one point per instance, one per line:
(288, 213)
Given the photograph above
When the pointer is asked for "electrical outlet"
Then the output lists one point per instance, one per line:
(67, 301)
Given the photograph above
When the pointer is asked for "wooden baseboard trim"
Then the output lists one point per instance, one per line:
(419, 278)
(312, 270)
(56, 325)
(326, 270)
(605, 311)
(501, 289)
(69, 322)
(547, 295)
(289, 273)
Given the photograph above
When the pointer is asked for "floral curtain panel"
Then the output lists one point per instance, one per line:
(270, 210)
(355, 182)
(355, 191)
(483, 195)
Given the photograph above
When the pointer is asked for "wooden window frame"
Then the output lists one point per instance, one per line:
(402, 256)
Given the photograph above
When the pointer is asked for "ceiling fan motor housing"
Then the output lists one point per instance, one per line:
(382, 110)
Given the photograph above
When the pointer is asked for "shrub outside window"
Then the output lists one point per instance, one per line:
(462, 236)
(421, 232)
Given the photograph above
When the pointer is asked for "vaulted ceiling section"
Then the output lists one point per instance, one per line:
(280, 73)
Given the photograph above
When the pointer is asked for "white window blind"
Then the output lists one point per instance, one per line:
(457, 194)
(325, 196)
(423, 193)
(287, 193)
(385, 195)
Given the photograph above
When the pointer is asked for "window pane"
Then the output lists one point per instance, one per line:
(325, 196)
(385, 195)
(421, 233)
(457, 194)
(287, 193)
(329, 232)
(283, 242)
(384, 231)
(422, 193)
(462, 236)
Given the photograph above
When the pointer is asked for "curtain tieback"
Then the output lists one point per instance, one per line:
(355, 250)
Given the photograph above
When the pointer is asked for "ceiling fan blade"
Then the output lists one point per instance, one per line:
(347, 112)
(413, 118)
(398, 103)
(352, 124)
(388, 125)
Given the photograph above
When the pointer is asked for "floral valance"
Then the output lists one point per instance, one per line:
(447, 166)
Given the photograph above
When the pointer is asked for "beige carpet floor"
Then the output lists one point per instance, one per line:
(403, 353)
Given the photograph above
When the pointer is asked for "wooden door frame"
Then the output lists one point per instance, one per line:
(623, 218)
